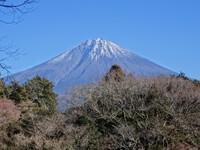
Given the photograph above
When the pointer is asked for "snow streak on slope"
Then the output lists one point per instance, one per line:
(95, 49)
(88, 62)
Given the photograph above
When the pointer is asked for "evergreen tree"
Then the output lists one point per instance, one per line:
(183, 76)
(196, 82)
(115, 73)
(40, 91)
(2, 89)
(17, 93)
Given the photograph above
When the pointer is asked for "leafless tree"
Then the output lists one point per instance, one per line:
(11, 12)
(8, 52)
(8, 112)
(130, 113)
(143, 113)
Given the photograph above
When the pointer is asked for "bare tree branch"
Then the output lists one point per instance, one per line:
(11, 12)
(11, 5)
(7, 53)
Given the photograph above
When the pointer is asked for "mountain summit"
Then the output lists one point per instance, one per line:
(95, 49)
(89, 62)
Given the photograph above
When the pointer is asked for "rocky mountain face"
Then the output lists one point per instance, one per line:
(89, 62)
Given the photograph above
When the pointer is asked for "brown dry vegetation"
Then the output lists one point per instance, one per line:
(8, 112)
(117, 113)
(139, 113)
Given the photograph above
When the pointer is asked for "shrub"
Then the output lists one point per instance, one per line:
(8, 112)
(144, 113)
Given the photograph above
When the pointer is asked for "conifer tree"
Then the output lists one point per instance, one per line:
(2, 89)
(17, 93)
(115, 73)
(40, 91)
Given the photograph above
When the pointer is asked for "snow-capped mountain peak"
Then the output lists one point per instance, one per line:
(89, 62)
(103, 48)
(94, 50)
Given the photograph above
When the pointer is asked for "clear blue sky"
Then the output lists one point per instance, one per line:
(164, 31)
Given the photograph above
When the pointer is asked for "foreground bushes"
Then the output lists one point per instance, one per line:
(139, 113)
(8, 112)
(120, 112)
(18, 116)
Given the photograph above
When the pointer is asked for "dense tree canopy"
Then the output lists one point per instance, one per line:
(37, 90)
(119, 113)
(141, 113)
(40, 91)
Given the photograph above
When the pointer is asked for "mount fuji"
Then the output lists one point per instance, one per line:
(88, 63)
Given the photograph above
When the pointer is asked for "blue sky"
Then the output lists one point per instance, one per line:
(166, 32)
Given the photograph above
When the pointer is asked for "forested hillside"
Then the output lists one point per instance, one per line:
(120, 112)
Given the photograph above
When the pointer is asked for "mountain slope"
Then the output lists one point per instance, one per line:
(88, 63)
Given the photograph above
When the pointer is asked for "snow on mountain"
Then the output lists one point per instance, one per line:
(88, 62)
(95, 49)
